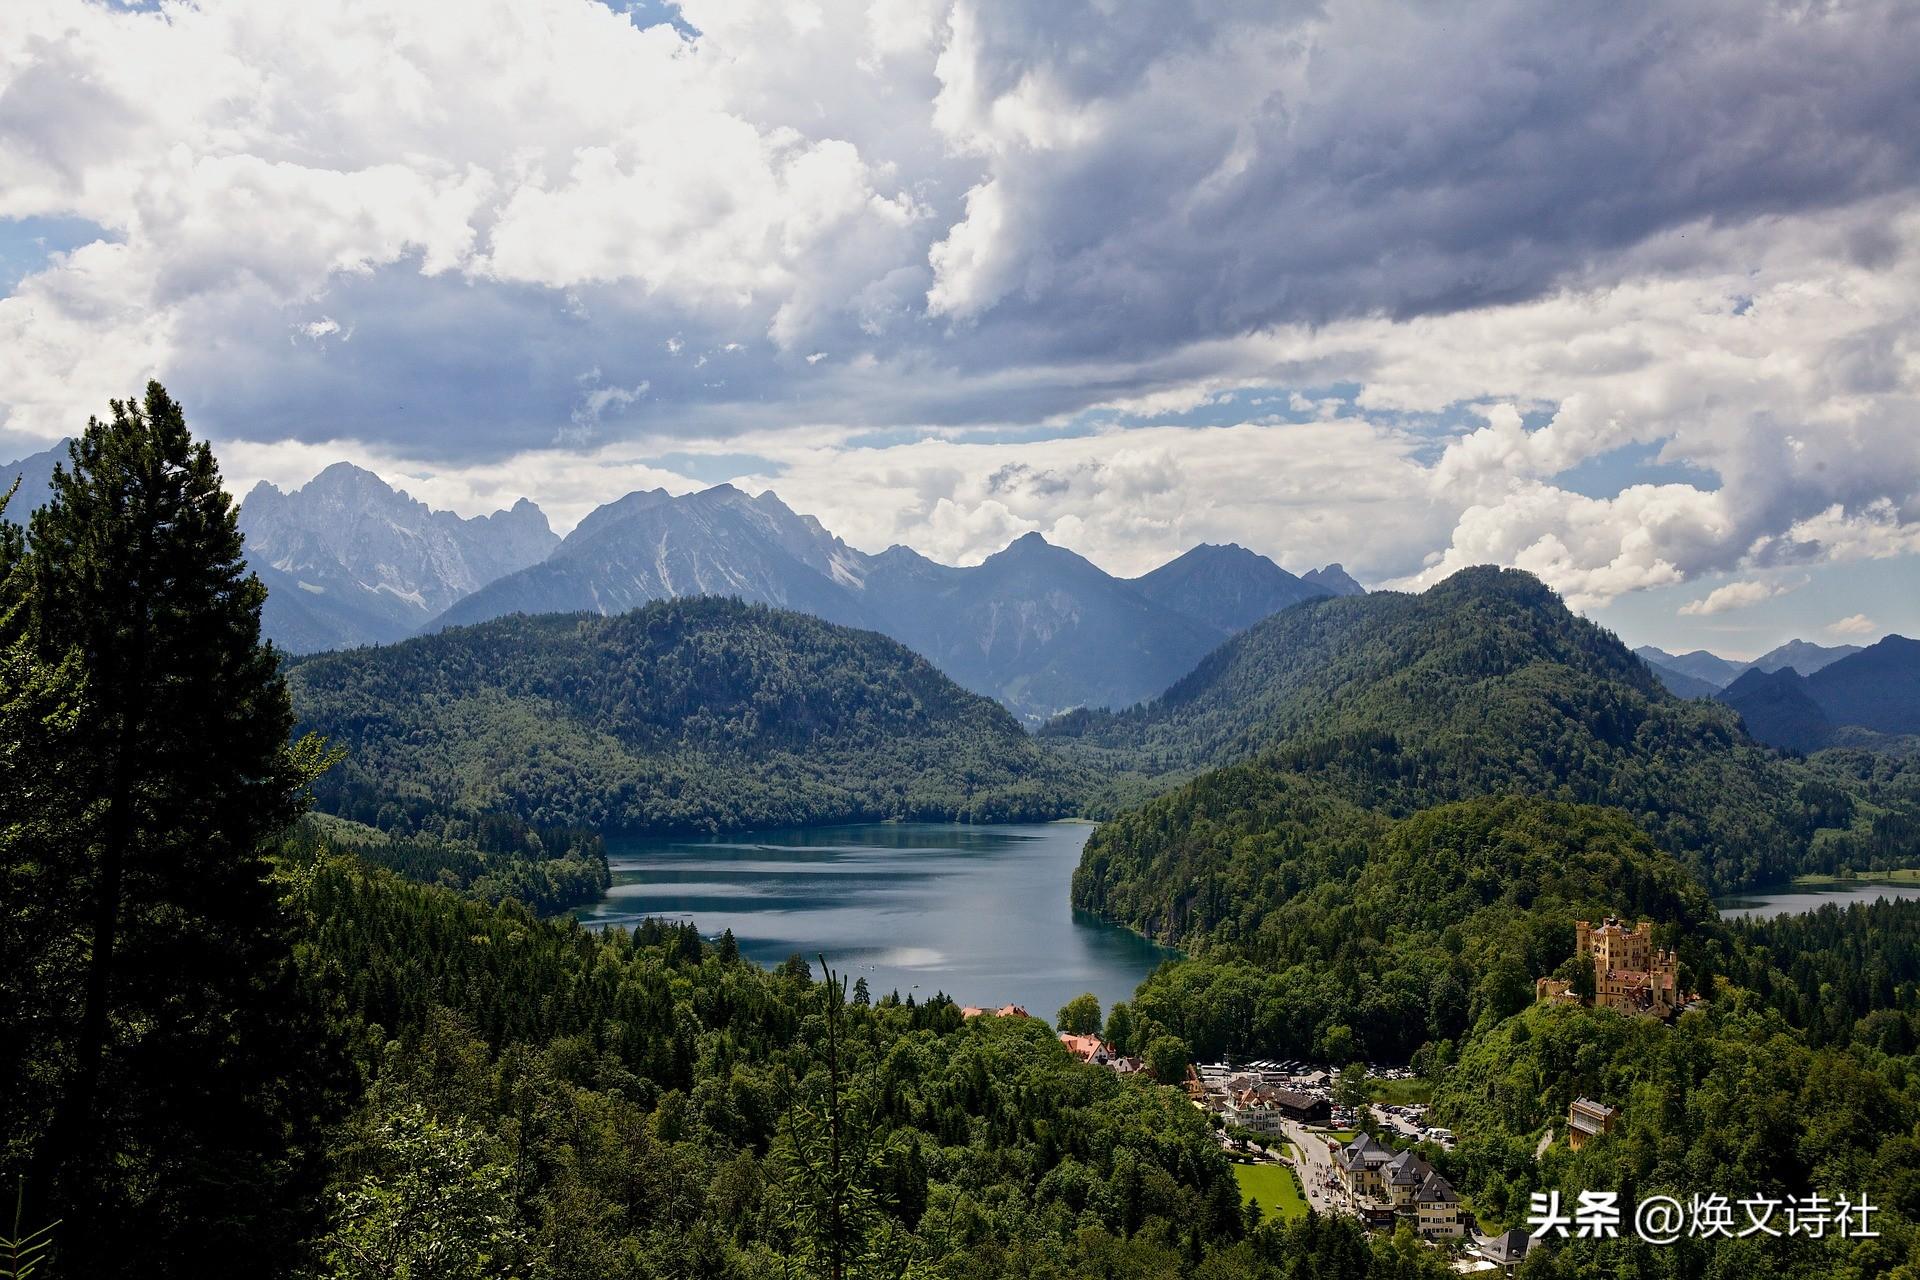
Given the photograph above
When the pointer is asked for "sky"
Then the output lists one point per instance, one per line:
(1624, 295)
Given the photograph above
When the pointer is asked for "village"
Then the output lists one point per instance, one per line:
(1308, 1136)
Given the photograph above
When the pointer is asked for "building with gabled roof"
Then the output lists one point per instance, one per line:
(1402, 1176)
(1360, 1163)
(1506, 1250)
(1436, 1210)
(1086, 1048)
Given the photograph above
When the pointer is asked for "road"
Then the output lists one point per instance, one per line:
(1318, 1177)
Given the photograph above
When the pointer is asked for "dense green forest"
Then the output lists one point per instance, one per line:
(231, 1047)
(563, 1103)
(482, 751)
(1360, 938)
(1484, 685)
(1800, 1073)
(1417, 797)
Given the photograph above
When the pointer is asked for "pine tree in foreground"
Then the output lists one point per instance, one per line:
(175, 1111)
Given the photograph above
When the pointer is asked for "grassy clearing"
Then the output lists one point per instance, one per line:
(1275, 1187)
(1903, 875)
(1400, 1093)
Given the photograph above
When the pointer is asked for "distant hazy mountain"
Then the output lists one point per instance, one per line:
(1679, 683)
(35, 473)
(1716, 672)
(1876, 689)
(1778, 710)
(349, 560)
(1040, 628)
(1231, 588)
(1335, 579)
(1036, 626)
(1699, 665)
(1803, 656)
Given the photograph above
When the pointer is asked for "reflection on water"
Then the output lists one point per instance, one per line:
(979, 912)
(1794, 899)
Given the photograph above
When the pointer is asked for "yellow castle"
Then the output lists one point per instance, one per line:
(1629, 973)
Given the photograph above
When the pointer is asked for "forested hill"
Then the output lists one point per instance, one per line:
(1485, 684)
(687, 714)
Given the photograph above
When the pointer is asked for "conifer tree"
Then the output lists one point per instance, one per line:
(184, 1094)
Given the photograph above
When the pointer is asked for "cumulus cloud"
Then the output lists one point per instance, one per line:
(1734, 595)
(1617, 296)
(1858, 624)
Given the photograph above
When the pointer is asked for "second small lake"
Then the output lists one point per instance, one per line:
(979, 912)
(1791, 899)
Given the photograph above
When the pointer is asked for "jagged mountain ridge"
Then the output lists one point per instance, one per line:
(1036, 626)
(350, 560)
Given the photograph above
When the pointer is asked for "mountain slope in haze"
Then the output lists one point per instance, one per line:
(349, 560)
(1697, 665)
(1679, 683)
(1229, 587)
(1876, 690)
(1040, 627)
(35, 474)
(1803, 656)
(1484, 684)
(1035, 626)
(1799, 655)
(653, 546)
(699, 714)
(1777, 709)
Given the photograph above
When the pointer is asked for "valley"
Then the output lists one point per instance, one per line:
(586, 849)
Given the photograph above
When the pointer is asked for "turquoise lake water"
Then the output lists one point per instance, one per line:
(1791, 899)
(979, 912)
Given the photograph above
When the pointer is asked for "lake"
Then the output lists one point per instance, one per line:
(1789, 900)
(979, 912)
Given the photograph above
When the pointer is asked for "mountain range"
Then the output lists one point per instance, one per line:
(1484, 685)
(1865, 698)
(1699, 673)
(347, 560)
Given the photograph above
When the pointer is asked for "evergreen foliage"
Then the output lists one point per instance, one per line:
(163, 1077)
(698, 714)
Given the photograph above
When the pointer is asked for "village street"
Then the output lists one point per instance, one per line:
(1316, 1169)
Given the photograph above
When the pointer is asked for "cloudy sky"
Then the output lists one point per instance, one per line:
(1623, 294)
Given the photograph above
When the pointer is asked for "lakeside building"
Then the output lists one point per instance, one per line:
(1004, 1011)
(1630, 974)
(1087, 1048)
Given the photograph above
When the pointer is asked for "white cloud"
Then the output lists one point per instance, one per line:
(1006, 224)
(1858, 624)
(1734, 595)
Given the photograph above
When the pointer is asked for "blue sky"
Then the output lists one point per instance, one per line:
(1621, 297)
